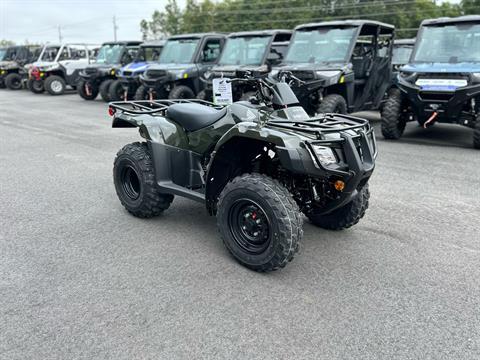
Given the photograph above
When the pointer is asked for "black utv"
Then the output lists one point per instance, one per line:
(58, 68)
(402, 50)
(345, 66)
(256, 167)
(98, 77)
(12, 65)
(441, 82)
(183, 61)
(128, 77)
(249, 51)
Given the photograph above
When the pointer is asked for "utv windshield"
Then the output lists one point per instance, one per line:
(448, 44)
(401, 54)
(50, 53)
(148, 53)
(321, 45)
(179, 51)
(110, 54)
(244, 50)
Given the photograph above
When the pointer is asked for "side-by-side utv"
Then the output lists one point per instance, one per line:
(441, 82)
(128, 79)
(345, 66)
(183, 61)
(249, 51)
(58, 67)
(98, 77)
(13, 60)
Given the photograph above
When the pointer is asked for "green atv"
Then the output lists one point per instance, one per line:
(256, 165)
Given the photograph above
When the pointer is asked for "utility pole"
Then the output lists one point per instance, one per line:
(60, 37)
(115, 27)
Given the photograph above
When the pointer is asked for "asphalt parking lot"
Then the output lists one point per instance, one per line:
(82, 279)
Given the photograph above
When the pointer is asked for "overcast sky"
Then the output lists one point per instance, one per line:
(80, 20)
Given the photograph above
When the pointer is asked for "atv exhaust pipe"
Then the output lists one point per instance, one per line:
(430, 120)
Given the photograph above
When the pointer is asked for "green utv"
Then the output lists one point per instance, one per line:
(183, 61)
(98, 77)
(255, 51)
(14, 61)
(255, 165)
(345, 65)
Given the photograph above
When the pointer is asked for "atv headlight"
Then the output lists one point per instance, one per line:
(324, 155)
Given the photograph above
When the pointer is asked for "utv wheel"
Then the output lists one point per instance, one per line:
(332, 103)
(104, 89)
(259, 222)
(55, 85)
(346, 216)
(2, 85)
(86, 90)
(393, 123)
(141, 93)
(476, 133)
(203, 95)
(181, 92)
(247, 96)
(13, 81)
(134, 179)
(116, 91)
(35, 86)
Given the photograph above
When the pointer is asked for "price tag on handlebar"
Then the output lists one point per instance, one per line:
(222, 91)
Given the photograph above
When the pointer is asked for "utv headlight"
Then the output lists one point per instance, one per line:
(207, 75)
(324, 155)
(407, 76)
(273, 74)
(49, 67)
(476, 78)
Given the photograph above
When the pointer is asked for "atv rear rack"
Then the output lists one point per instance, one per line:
(140, 107)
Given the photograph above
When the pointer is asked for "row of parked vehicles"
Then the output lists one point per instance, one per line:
(284, 145)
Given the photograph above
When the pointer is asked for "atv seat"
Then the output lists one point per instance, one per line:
(193, 116)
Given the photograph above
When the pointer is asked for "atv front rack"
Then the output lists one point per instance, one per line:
(140, 107)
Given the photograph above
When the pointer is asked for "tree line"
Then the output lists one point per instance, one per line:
(244, 15)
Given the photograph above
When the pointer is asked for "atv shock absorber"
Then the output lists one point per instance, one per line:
(430, 120)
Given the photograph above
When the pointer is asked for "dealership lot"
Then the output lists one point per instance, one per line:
(80, 278)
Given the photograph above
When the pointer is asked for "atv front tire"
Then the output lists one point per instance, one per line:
(82, 90)
(346, 216)
(393, 123)
(104, 89)
(35, 86)
(181, 92)
(55, 85)
(116, 91)
(134, 178)
(259, 222)
(332, 103)
(13, 81)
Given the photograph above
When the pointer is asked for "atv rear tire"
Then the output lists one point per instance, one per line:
(104, 89)
(35, 86)
(332, 103)
(55, 85)
(346, 216)
(13, 81)
(476, 133)
(181, 92)
(82, 91)
(116, 91)
(393, 123)
(259, 222)
(134, 178)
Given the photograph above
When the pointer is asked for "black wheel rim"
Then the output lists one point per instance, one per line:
(130, 182)
(250, 226)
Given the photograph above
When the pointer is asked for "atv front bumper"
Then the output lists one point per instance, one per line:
(450, 106)
(355, 152)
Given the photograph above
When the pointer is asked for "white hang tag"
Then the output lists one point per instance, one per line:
(222, 91)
